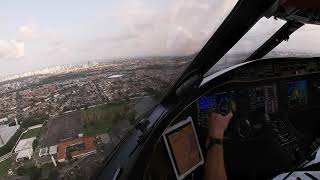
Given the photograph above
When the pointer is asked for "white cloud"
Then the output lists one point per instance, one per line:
(28, 31)
(11, 49)
(43, 42)
(181, 27)
(36, 31)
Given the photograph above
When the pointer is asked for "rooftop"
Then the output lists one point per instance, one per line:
(43, 151)
(24, 144)
(88, 147)
(6, 133)
(53, 149)
(27, 153)
(3, 120)
(115, 76)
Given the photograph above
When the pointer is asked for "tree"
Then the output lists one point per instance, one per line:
(117, 117)
(33, 172)
(53, 174)
(131, 115)
(35, 144)
(92, 123)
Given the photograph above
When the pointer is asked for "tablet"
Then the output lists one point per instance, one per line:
(183, 148)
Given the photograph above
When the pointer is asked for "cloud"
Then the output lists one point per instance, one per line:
(28, 31)
(11, 49)
(178, 28)
(35, 31)
(57, 47)
(43, 42)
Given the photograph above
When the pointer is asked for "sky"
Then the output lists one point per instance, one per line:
(40, 33)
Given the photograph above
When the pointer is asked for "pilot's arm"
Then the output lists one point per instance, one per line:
(214, 167)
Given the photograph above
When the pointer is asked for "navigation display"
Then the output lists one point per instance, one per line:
(220, 102)
(205, 102)
(183, 147)
(297, 93)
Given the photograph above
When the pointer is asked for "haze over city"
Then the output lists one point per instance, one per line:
(37, 34)
(44, 33)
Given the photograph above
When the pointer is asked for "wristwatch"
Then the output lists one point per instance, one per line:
(214, 141)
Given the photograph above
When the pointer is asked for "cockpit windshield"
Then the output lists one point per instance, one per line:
(260, 33)
(303, 43)
(75, 76)
(256, 36)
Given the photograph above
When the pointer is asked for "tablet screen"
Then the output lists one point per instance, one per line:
(183, 148)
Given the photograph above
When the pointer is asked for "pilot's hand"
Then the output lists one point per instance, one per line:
(217, 124)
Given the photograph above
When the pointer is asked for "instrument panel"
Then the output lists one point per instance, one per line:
(265, 111)
(265, 87)
(242, 102)
(221, 102)
(273, 105)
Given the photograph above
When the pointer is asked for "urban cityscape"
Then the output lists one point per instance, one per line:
(63, 122)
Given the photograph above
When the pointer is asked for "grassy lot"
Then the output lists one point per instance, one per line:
(31, 133)
(4, 166)
(100, 119)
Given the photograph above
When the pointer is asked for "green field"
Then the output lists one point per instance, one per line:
(4, 166)
(31, 133)
(100, 119)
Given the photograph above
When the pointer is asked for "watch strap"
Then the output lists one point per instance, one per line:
(214, 141)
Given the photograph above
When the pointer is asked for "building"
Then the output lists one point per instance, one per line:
(3, 120)
(77, 148)
(43, 152)
(24, 149)
(105, 138)
(115, 76)
(6, 133)
(24, 144)
(53, 150)
(24, 154)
